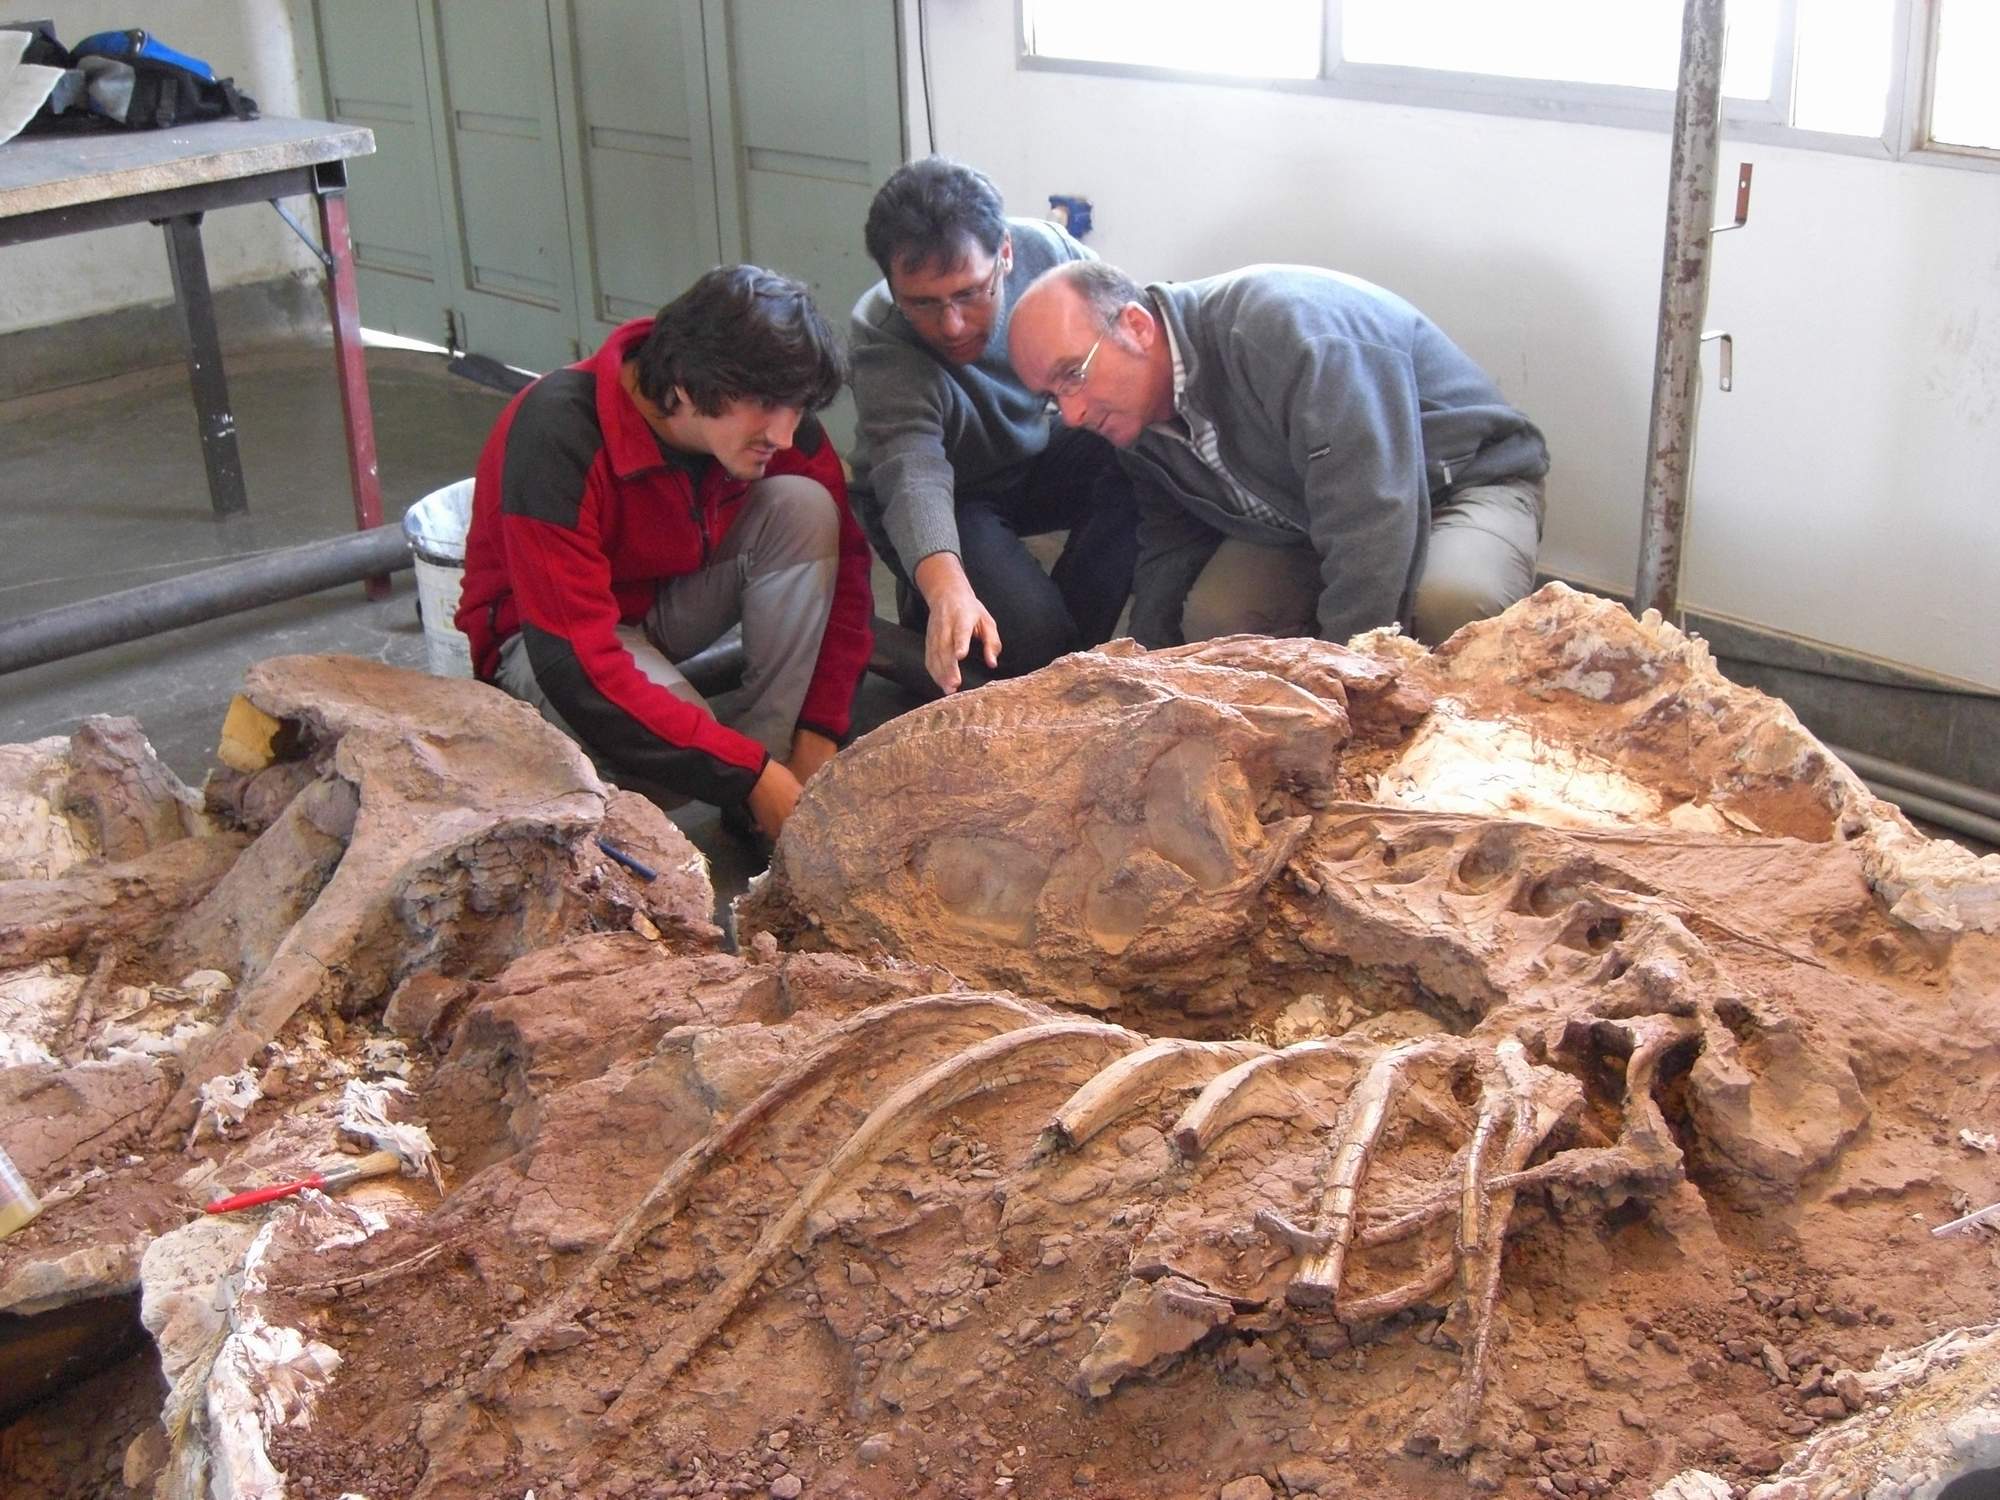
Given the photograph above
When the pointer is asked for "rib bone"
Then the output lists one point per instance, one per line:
(1317, 1281)
(901, 1020)
(1520, 1106)
(1256, 1088)
(1172, 1062)
(998, 1062)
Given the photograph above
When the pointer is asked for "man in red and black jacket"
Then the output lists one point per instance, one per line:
(630, 508)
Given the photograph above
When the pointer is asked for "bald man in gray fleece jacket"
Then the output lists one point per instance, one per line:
(1313, 455)
(955, 461)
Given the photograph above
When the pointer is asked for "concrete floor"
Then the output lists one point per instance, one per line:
(105, 490)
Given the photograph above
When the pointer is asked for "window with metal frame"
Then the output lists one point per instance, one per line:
(1244, 39)
(1876, 77)
(1964, 110)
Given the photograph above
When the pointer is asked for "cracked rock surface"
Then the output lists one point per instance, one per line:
(1260, 1068)
(188, 980)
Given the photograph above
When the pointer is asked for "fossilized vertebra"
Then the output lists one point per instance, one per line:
(1613, 1161)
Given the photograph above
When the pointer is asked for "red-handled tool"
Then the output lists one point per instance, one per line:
(375, 1164)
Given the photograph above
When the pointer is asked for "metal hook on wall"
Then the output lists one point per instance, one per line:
(1742, 202)
(1728, 371)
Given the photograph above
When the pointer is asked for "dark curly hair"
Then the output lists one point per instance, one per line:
(741, 332)
(923, 215)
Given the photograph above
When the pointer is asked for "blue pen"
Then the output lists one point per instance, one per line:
(644, 872)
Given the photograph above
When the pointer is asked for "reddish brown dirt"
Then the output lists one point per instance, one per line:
(1634, 1346)
(73, 1446)
(798, 1222)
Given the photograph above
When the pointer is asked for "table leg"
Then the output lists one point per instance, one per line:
(343, 306)
(204, 353)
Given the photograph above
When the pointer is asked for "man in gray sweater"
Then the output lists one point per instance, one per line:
(1313, 456)
(955, 460)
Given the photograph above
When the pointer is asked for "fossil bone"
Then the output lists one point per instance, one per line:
(1640, 1036)
(1171, 1062)
(992, 1064)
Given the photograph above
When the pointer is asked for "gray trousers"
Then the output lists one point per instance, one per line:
(774, 575)
(1480, 559)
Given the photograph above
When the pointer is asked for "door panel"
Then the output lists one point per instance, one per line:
(547, 169)
(372, 74)
(640, 158)
(798, 215)
(496, 113)
(811, 128)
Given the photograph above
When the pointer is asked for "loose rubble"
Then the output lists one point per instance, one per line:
(1526, 1068)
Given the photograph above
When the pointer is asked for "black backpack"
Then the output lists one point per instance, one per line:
(128, 80)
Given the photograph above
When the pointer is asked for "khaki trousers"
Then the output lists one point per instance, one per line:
(1480, 559)
(774, 575)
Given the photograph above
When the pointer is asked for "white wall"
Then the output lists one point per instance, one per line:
(56, 280)
(1848, 489)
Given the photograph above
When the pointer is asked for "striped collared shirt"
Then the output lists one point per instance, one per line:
(1200, 436)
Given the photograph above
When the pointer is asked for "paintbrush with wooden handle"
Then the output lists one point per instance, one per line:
(374, 1164)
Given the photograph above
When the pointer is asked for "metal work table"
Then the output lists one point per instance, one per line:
(57, 185)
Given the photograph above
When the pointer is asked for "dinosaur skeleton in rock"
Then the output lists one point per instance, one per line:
(1555, 1018)
(1370, 1090)
(1268, 998)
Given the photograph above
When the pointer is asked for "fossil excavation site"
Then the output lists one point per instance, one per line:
(1260, 1068)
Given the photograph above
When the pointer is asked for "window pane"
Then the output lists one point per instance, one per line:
(1636, 43)
(1843, 65)
(1965, 107)
(1254, 38)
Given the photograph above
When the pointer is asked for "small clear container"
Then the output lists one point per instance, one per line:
(18, 1203)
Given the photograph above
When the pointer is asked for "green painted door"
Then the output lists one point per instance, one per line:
(547, 169)
(494, 113)
(808, 122)
(632, 90)
(371, 72)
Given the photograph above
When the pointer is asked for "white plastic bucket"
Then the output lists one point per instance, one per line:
(435, 528)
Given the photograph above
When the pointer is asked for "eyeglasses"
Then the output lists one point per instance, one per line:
(1069, 383)
(930, 309)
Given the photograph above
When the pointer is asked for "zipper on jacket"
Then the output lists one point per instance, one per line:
(693, 472)
(698, 513)
(700, 530)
